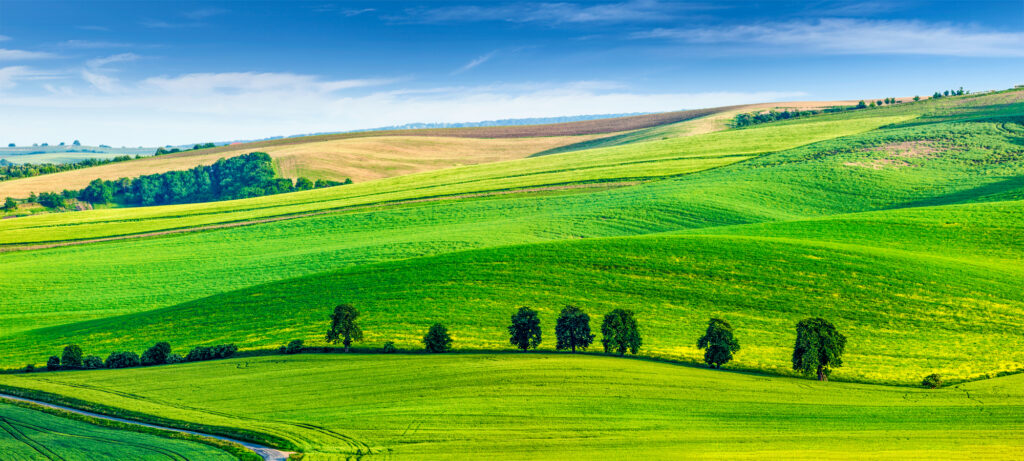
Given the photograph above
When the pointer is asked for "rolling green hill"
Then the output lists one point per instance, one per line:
(847, 189)
(27, 434)
(556, 406)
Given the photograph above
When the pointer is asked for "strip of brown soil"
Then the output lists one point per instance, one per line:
(43, 246)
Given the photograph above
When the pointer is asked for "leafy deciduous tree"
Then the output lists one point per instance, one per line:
(437, 339)
(343, 326)
(718, 342)
(573, 329)
(524, 332)
(619, 332)
(71, 357)
(819, 347)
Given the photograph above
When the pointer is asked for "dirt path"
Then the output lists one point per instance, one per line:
(267, 453)
(42, 246)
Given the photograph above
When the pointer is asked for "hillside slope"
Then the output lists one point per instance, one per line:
(487, 406)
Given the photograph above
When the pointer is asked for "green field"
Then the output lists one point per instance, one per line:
(27, 434)
(902, 225)
(542, 406)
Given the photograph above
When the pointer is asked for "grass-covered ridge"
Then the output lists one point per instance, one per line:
(477, 406)
(27, 433)
(872, 193)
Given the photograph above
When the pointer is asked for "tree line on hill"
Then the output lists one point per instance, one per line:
(174, 150)
(818, 348)
(72, 357)
(26, 170)
(244, 176)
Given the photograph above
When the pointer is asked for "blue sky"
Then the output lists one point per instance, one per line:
(153, 72)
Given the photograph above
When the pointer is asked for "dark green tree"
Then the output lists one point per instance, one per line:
(122, 359)
(92, 362)
(343, 326)
(619, 332)
(10, 204)
(437, 339)
(862, 104)
(573, 329)
(819, 347)
(98, 191)
(156, 355)
(303, 183)
(71, 357)
(53, 363)
(718, 342)
(932, 381)
(917, 98)
(524, 331)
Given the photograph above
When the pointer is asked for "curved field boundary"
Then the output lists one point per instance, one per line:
(267, 453)
(584, 127)
(43, 246)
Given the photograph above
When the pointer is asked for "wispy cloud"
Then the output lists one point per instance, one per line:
(21, 55)
(93, 28)
(11, 75)
(4, 38)
(555, 13)
(102, 62)
(93, 44)
(855, 36)
(104, 83)
(203, 13)
(475, 62)
(241, 82)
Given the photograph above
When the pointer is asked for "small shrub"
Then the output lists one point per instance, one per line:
(71, 357)
(437, 339)
(932, 381)
(123, 359)
(293, 347)
(92, 362)
(30, 368)
(53, 363)
(389, 348)
(200, 353)
(156, 355)
(175, 358)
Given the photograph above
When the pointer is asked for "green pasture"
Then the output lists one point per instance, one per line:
(556, 406)
(645, 160)
(28, 435)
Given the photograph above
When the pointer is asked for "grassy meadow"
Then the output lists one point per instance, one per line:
(27, 435)
(479, 406)
(902, 225)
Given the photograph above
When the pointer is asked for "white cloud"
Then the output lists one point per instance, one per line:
(855, 36)
(9, 75)
(101, 82)
(204, 13)
(88, 44)
(4, 38)
(101, 62)
(475, 62)
(194, 107)
(21, 55)
(555, 12)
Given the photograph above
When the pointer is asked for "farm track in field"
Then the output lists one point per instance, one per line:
(267, 453)
(286, 217)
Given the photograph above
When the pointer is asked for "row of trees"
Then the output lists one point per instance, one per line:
(72, 358)
(754, 118)
(957, 92)
(818, 349)
(174, 150)
(248, 175)
(26, 170)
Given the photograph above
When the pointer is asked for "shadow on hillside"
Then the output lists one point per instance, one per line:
(975, 195)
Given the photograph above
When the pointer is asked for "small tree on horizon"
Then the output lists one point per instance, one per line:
(437, 339)
(619, 332)
(71, 357)
(819, 347)
(573, 329)
(718, 343)
(524, 332)
(10, 204)
(343, 326)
